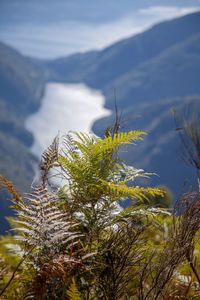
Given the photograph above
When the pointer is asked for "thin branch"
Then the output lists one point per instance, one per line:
(193, 268)
(15, 271)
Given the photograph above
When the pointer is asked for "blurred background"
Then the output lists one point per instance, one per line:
(64, 64)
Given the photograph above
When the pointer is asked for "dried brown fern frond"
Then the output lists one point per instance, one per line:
(54, 275)
(60, 266)
(49, 159)
(8, 185)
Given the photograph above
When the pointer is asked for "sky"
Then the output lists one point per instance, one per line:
(55, 28)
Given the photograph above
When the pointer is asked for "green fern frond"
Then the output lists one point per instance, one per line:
(92, 146)
(79, 143)
(120, 191)
(73, 292)
(109, 144)
(91, 159)
(96, 177)
(84, 139)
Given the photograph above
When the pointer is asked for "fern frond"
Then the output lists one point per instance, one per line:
(92, 162)
(78, 144)
(141, 212)
(8, 185)
(73, 292)
(120, 191)
(84, 141)
(111, 143)
(97, 179)
(41, 223)
(89, 146)
(126, 173)
(49, 158)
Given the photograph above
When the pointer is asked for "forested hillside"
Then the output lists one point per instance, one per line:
(21, 89)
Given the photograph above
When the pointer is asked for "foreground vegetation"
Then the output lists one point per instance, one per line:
(77, 242)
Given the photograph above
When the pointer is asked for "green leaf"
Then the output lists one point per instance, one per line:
(73, 292)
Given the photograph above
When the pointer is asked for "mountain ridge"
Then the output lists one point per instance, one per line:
(122, 49)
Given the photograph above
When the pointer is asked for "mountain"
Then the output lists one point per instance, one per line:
(150, 73)
(100, 68)
(21, 89)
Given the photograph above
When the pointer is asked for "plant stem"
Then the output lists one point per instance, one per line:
(15, 271)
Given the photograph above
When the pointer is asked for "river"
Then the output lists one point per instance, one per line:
(64, 107)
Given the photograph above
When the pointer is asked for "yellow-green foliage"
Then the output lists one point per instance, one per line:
(73, 292)
(77, 243)
(90, 164)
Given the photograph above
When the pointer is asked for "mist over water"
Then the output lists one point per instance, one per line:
(64, 107)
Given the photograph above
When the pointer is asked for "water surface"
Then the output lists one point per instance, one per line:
(64, 107)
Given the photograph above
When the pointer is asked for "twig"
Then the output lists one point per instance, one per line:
(15, 271)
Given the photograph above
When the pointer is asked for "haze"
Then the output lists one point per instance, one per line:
(49, 29)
